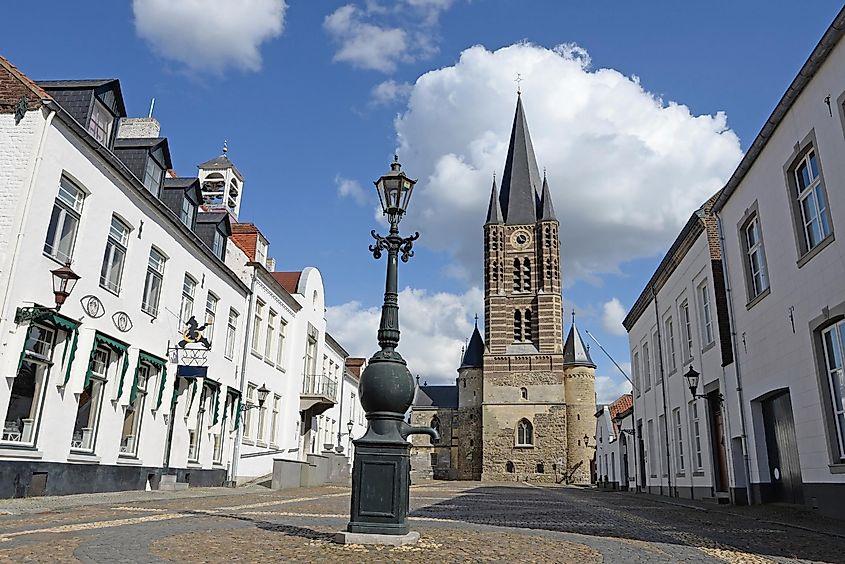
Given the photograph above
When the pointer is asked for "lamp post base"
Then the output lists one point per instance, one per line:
(345, 537)
(381, 478)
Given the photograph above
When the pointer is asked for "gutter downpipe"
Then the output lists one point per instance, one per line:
(236, 451)
(739, 388)
(663, 394)
(39, 156)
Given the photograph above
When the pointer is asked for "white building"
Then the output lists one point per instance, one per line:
(94, 397)
(686, 445)
(615, 446)
(778, 217)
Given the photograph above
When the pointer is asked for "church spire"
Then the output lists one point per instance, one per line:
(547, 212)
(575, 352)
(494, 212)
(521, 180)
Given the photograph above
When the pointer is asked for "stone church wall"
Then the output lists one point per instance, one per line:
(580, 410)
(433, 460)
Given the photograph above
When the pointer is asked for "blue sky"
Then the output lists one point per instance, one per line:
(315, 96)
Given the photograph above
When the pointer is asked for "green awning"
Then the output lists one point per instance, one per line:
(161, 385)
(238, 414)
(66, 324)
(155, 361)
(116, 346)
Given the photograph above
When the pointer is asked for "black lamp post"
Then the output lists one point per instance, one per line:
(692, 377)
(381, 470)
(349, 427)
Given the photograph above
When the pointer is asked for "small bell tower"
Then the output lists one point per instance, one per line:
(222, 184)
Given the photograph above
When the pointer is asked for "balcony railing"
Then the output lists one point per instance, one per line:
(319, 385)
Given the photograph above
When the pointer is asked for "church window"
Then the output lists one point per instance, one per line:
(509, 467)
(517, 325)
(517, 285)
(540, 468)
(433, 459)
(526, 275)
(527, 332)
(524, 393)
(435, 424)
(524, 433)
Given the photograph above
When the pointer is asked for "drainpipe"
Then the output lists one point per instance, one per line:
(735, 345)
(663, 385)
(236, 451)
(30, 188)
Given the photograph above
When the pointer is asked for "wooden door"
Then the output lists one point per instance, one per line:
(717, 442)
(782, 448)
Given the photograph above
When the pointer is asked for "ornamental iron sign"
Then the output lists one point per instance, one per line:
(92, 306)
(122, 321)
(193, 333)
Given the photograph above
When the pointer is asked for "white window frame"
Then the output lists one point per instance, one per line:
(670, 344)
(524, 433)
(257, 325)
(186, 214)
(679, 439)
(152, 175)
(114, 259)
(231, 334)
(218, 244)
(833, 342)
(652, 460)
(647, 366)
(101, 363)
(101, 123)
(211, 301)
(146, 372)
(153, 282)
(189, 289)
(67, 213)
(809, 190)
(270, 334)
(706, 309)
(38, 345)
(635, 368)
(686, 325)
(274, 419)
(250, 401)
(755, 258)
(695, 432)
(280, 345)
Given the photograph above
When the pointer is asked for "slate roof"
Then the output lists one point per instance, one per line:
(436, 396)
(494, 210)
(548, 206)
(575, 353)
(288, 280)
(221, 163)
(474, 355)
(179, 181)
(521, 181)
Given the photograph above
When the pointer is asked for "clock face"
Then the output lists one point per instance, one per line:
(521, 239)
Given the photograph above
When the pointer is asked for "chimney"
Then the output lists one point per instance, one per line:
(138, 128)
(271, 264)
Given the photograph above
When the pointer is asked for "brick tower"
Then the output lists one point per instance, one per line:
(524, 389)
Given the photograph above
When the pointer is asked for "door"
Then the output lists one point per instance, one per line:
(717, 441)
(641, 447)
(782, 448)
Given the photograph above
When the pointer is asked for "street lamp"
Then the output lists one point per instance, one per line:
(692, 377)
(349, 427)
(262, 397)
(381, 469)
(64, 280)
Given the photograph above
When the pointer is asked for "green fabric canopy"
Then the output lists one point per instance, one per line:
(67, 324)
(116, 346)
(159, 363)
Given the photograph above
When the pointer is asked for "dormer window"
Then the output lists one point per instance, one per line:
(152, 176)
(219, 247)
(261, 252)
(101, 123)
(186, 214)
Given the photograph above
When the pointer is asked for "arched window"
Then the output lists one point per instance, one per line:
(517, 285)
(517, 325)
(524, 393)
(527, 331)
(524, 433)
(509, 467)
(435, 424)
(526, 275)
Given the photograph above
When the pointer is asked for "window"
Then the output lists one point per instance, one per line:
(517, 282)
(435, 424)
(517, 325)
(280, 346)
(218, 247)
(28, 386)
(646, 366)
(686, 326)
(524, 433)
(152, 176)
(655, 347)
(189, 288)
(112, 271)
(101, 122)
(270, 336)
(88, 408)
(231, 334)
(134, 413)
(755, 258)
(247, 413)
(187, 213)
(153, 282)
(670, 345)
(706, 314)
(261, 251)
(523, 392)
(311, 352)
(210, 315)
(679, 438)
(652, 460)
(664, 454)
(64, 221)
(256, 326)
(218, 438)
(834, 344)
(274, 419)
(528, 334)
(811, 200)
(695, 427)
(526, 275)
(635, 368)
(262, 412)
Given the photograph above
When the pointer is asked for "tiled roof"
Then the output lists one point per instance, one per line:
(16, 85)
(621, 405)
(288, 280)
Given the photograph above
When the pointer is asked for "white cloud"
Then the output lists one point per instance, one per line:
(209, 35)
(609, 389)
(390, 91)
(625, 168)
(613, 312)
(348, 188)
(434, 328)
(376, 36)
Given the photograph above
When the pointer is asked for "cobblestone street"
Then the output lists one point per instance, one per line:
(458, 522)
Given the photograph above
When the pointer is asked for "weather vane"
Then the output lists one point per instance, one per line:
(518, 81)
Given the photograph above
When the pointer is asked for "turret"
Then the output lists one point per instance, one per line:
(579, 373)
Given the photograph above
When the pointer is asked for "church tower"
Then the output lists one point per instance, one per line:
(524, 400)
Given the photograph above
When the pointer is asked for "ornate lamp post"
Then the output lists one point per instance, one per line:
(64, 280)
(692, 376)
(381, 469)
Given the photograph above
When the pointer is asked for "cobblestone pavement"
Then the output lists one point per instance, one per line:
(458, 522)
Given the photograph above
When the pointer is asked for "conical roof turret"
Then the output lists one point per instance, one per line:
(474, 355)
(521, 180)
(547, 212)
(494, 211)
(575, 352)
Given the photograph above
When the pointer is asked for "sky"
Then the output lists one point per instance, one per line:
(639, 111)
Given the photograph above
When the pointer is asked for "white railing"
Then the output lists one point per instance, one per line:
(319, 385)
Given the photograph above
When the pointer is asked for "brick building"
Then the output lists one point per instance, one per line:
(525, 400)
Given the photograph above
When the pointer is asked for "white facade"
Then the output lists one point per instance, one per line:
(792, 298)
(615, 447)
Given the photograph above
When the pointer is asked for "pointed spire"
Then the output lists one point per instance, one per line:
(521, 180)
(474, 355)
(547, 212)
(494, 212)
(575, 352)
